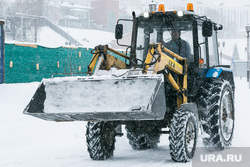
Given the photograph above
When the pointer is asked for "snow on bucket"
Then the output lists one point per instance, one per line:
(98, 98)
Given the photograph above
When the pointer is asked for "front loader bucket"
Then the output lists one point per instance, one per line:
(94, 98)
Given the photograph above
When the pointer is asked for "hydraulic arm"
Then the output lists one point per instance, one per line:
(164, 63)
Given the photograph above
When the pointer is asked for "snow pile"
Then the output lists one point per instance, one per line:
(49, 38)
(45, 37)
(90, 38)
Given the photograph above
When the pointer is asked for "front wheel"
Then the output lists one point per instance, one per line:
(220, 118)
(144, 136)
(183, 135)
(100, 137)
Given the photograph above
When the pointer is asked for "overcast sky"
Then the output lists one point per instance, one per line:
(226, 2)
(232, 2)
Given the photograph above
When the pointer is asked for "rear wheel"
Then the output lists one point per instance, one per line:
(100, 137)
(220, 114)
(143, 136)
(183, 135)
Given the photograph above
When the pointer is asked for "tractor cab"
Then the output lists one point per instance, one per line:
(198, 32)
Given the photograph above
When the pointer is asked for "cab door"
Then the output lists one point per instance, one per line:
(208, 49)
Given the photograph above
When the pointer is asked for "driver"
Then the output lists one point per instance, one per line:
(178, 45)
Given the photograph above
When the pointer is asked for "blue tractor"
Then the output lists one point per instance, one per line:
(170, 79)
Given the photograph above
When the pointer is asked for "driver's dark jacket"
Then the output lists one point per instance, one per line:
(180, 47)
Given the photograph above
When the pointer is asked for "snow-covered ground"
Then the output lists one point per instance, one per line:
(26, 141)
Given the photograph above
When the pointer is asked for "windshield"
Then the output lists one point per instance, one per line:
(176, 36)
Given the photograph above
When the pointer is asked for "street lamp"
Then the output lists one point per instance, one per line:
(221, 46)
(248, 54)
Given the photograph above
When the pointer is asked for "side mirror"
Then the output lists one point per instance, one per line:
(207, 29)
(218, 27)
(118, 31)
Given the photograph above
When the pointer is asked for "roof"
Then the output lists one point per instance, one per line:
(69, 17)
(79, 10)
(72, 5)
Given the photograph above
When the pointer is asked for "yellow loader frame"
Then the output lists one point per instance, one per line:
(156, 52)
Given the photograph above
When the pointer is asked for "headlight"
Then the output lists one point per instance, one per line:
(146, 14)
(180, 13)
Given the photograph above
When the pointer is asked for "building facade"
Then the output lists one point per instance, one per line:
(104, 14)
(74, 15)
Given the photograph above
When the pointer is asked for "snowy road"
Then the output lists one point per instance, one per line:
(30, 142)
